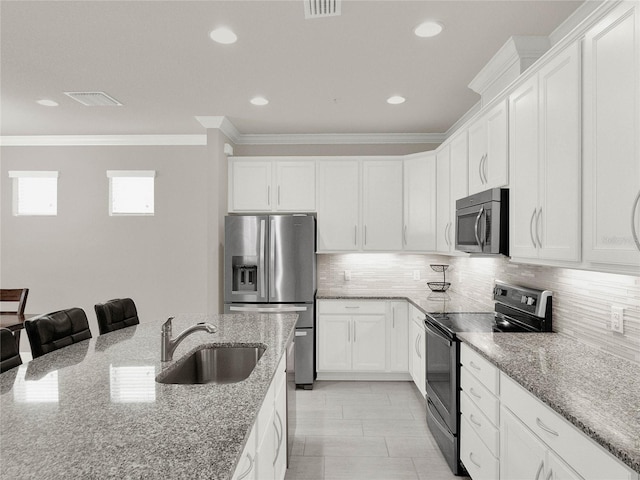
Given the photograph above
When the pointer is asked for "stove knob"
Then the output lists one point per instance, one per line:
(523, 299)
(531, 301)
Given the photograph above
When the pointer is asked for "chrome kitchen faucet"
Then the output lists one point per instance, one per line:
(169, 344)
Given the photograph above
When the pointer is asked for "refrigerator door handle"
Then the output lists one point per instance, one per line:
(263, 279)
(272, 261)
(287, 309)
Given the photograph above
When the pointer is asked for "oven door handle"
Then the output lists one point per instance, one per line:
(439, 335)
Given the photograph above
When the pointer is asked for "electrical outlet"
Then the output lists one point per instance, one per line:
(416, 274)
(617, 319)
(347, 275)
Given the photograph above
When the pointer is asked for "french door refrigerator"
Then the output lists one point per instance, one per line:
(270, 267)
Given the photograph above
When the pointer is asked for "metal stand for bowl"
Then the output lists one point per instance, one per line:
(439, 286)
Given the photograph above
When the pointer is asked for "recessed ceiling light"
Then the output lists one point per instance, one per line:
(396, 100)
(259, 101)
(47, 103)
(428, 29)
(223, 35)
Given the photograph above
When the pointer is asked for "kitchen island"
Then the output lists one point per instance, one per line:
(94, 409)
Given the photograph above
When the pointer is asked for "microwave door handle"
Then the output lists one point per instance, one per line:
(475, 228)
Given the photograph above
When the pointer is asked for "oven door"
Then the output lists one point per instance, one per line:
(441, 366)
(475, 232)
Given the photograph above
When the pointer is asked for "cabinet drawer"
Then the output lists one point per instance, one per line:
(585, 456)
(266, 413)
(484, 400)
(481, 368)
(486, 430)
(352, 307)
(475, 455)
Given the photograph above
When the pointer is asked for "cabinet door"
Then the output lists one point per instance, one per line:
(522, 455)
(250, 185)
(459, 181)
(495, 168)
(247, 468)
(560, 173)
(295, 189)
(611, 141)
(334, 342)
(369, 342)
(267, 451)
(382, 205)
(477, 155)
(443, 218)
(523, 152)
(558, 470)
(338, 205)
(280, 434)
(419, 232)
(417, 349)
(398, 325)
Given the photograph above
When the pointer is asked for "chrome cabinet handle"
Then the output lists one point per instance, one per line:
(634, 232)
(419, 349)
(533, 240)
(545, 428)
(354, 332)
(269, 195)
(484, 168)
(278, 195)
(549, 475)
(480, 168)
(538, 228)
(404, 235)
(248, 470)
(349, 333)
(279, 435)
(473, 392)
(539, 469)
(446, 234)
(393, 317)
(449, 233)
(355, 234)
(473, 461)
(365, 234)
(474, 366)
(475, 422)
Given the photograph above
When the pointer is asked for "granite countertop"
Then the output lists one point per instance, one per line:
(425, 300)
(94, 410)
(597, 392)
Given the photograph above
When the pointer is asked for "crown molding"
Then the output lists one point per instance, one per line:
(100, 140)
(225, 126)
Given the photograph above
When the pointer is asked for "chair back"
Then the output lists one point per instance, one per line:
(56, 330)
(9, 354)
(18, 295)
(116, 314)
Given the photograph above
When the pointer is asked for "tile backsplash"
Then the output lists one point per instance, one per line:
(582, 300)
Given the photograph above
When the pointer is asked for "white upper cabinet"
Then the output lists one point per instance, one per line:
(445, 242)
(272, 185)
(338, 205)
(360, 205)
(488, 150)
(382, 205)
(612, 141)
(419, 231)
(544, 151)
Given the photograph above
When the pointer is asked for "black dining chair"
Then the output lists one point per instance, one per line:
(9, 354)
(116, 314)
(56, 330)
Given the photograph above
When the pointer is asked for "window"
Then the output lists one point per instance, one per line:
(35, 192)
(131, 192)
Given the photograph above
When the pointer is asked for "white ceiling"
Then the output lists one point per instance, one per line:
(326, 75)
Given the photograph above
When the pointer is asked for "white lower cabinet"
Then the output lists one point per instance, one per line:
(533, 437)
(265, 454)
(398, 336)
(417, 349)
(352, 336)
(475, 455)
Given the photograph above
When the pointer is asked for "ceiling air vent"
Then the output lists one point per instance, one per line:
(322, 8)
(94, 99)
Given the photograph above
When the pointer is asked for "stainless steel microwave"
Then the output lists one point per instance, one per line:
(482, 223)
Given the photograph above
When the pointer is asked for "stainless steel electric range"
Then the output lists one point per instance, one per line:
(517, 309)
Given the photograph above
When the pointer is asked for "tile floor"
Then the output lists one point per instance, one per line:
(364, 430)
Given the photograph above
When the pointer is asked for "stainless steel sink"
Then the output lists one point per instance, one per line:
(219, 364)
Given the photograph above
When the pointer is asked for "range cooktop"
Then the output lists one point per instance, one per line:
(455, 322)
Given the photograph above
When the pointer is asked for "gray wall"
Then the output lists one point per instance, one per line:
(83, 256)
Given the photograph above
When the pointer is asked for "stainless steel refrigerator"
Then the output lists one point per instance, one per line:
(270, 267)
